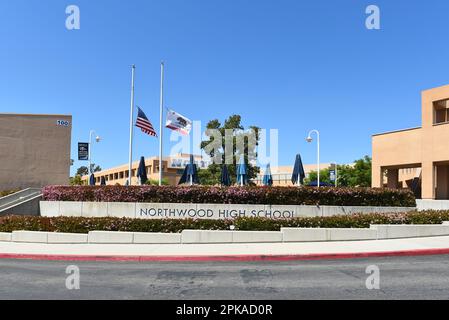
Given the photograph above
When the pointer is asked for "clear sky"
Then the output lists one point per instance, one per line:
(290, 65)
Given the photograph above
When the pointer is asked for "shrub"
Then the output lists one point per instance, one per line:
(84, 225)
(5, 193)
(233, 195)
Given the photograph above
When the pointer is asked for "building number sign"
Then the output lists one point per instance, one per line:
(63, 123)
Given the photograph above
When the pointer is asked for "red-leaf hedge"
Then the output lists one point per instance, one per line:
(234, 195)
(84, 225)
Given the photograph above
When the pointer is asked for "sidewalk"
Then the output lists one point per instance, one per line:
(229, 252)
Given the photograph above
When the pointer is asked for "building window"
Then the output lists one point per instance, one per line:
(441, 111)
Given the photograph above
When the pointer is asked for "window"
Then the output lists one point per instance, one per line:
(441, 111)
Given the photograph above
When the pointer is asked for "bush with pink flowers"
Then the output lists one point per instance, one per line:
(234, 195)
(84, 224)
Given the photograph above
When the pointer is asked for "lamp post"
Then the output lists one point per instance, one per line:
(309, 139)
(97, 139)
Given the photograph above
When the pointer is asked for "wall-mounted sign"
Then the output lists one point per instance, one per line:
(332, 175)
(182, 162)
(63, 123)
(83, 151)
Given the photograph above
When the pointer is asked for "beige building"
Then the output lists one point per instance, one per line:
(282, 175)
(35, 150)
(172, 169)
(417, 158)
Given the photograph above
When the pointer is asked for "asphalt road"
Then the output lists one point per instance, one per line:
(400, 278)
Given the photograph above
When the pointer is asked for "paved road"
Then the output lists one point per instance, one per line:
(400, 278)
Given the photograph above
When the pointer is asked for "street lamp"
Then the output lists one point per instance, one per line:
(97, 139)
(309, 139)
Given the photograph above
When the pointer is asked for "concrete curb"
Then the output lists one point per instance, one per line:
(285, 235)
(235, 258)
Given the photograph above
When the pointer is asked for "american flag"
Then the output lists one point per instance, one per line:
(144, 124)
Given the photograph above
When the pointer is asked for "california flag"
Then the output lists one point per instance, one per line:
(178, 122)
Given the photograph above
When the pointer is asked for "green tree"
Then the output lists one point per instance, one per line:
(154, 182)
(211, 175)
(76, 181)
(84, 171)
(324, 176)
(356, 175)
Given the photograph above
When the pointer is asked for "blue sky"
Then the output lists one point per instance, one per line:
(289, 65)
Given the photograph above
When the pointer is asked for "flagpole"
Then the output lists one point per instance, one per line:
(131, 118)
(161, 106)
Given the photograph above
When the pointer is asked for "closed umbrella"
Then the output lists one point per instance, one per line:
(142, 171)
(92, 179)
(102, 181)
(298, 171)
(267, 178)
(242, 177)
(225, 179)
(190, 174)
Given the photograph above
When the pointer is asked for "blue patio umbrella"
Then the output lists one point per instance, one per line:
(225, 179)
(267, 177)
(242, 176)
(298, 171)
(190, 174)
(92, 179)
(102, 181)
(142, 171)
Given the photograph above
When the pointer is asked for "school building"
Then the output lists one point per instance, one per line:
(172, 169)
(282, 175)
(34, 150)
(417, 158)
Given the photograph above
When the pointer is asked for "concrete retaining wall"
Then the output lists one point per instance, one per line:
(422, 205)
(5, 236)
(198, 211)
(228, 236)
(29, 236)
(327, 234)
(410, 231)
(101, 237)
(206, 236)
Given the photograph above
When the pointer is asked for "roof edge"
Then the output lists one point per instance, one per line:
(395, 131)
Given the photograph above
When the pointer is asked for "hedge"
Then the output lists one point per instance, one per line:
(5, 193)
(84, 225)
(234, 195)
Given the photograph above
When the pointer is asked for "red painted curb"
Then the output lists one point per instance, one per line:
(296, 257)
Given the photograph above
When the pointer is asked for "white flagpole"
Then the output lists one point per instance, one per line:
(131, 118)
(161, 106)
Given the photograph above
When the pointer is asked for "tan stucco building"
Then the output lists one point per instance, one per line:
(282, 175)
(34, 150)
(172, 169)
(417, 158)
